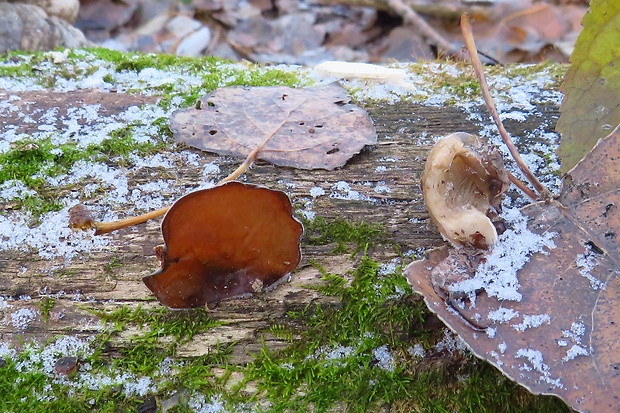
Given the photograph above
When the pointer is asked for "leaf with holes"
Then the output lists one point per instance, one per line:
(313, 128)
(553, 326)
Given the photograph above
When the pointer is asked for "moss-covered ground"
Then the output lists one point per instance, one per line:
(377, 348)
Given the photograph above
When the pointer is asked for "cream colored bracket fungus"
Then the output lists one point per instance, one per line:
(463, 183)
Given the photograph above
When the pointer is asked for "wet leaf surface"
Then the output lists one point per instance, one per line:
(315, 128)
(562, 336)
(590, 109)
(227, 241)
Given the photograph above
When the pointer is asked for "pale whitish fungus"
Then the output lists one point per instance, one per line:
(463, 182)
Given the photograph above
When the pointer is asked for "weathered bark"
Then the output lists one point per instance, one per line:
(112, 278)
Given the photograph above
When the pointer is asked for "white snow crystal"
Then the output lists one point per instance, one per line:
(385, 361)
(575, 351)
(22, 318)
(532, 321)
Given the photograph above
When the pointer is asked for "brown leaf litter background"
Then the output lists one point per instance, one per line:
(310, 32)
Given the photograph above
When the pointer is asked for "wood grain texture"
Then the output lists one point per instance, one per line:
(405, 135)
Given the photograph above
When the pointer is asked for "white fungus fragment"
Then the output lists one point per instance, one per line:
(498, 274)
(502, 315)
(382, 188)
(417, 351)
(316, 191)
(199, 404)
(577, 330)
(450, 343)
(342, 190)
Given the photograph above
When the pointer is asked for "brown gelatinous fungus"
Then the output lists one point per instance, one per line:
(463, 183)
(231, 240)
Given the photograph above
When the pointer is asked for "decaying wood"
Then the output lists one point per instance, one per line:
(112, 278)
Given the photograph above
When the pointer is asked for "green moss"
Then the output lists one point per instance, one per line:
(16, 70)
(112, 265)
(136, 61)
(45, 306)
(182, 325)
(555, 70)
(345, 234)
(31, 162)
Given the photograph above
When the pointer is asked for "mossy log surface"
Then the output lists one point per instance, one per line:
(112, 278)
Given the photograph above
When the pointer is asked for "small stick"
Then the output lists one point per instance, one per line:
(106, 227)
(519, 184)
(543, 192)
(415, 20)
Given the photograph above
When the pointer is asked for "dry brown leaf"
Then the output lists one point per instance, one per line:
(316, 128)
(517, 32)
(562, 336)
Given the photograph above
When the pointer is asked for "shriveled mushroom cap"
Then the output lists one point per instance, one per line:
(226, 241)
(463, 181)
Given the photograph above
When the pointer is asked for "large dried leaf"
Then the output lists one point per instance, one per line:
(223, 242)
(314, 128)
(591, 105)
(563, 336)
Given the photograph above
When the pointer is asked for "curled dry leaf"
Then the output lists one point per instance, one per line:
(230, 240)
(312, 128)
(463, 183)
(553, 324)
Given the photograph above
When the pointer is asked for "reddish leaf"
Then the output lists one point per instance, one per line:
(562, 336)
(315, 128)
(226, 241)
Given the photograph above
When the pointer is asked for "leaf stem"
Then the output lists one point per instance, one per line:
(543, 192)
(106, 227)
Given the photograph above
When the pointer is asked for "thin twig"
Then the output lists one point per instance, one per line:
(414, 19)
(106, 227)
(475, 60)
(519, 184)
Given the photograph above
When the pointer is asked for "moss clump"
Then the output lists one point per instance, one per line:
(347, 235)
(46, 305)
(32, 161)
(137, 61)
